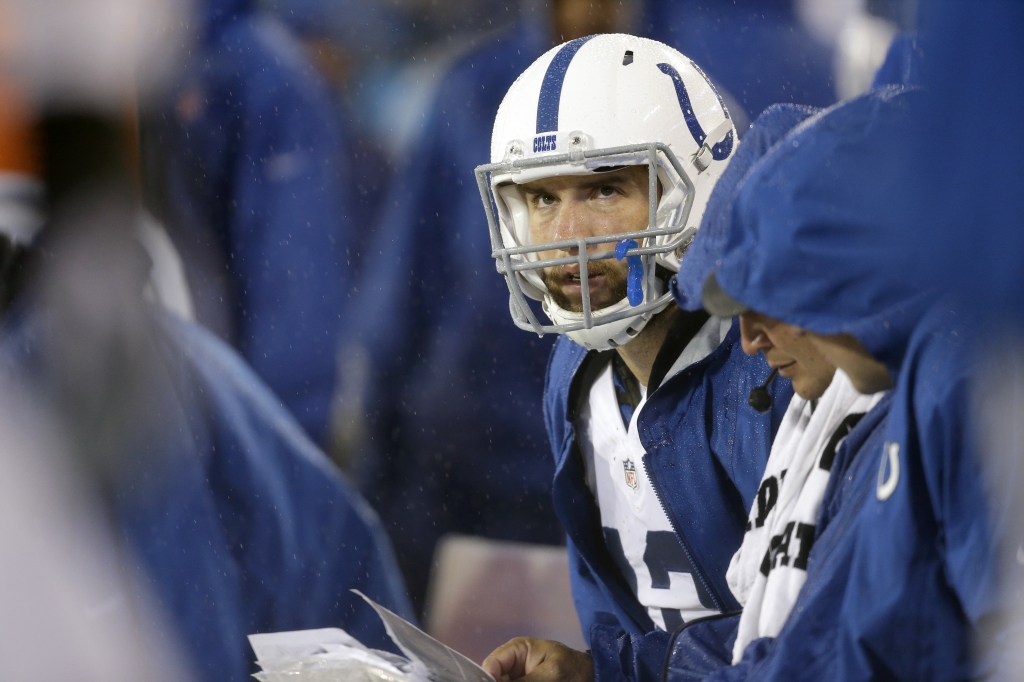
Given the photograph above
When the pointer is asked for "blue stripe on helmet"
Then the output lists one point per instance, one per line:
(721, 150)
(551, 88)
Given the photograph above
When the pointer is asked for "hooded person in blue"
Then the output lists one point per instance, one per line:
(258, 195)
(453, 434)
(231, 517)
(883, 597)
(666, 429)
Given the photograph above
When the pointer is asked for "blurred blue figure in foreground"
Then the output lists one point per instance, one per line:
(259, 200)
(756, 49)
(232, 518)
(453, 438)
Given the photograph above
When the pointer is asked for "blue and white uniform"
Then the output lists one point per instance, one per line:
(633, 519)
(703, 479)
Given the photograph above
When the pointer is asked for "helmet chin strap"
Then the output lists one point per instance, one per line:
(607, 335)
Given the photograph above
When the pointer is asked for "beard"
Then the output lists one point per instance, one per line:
(610, 289)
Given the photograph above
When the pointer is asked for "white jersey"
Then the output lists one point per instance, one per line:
(636, 528)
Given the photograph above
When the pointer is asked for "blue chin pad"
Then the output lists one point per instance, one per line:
(635, 276)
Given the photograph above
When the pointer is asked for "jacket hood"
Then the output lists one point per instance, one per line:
(903, 63)
(812, 222)
(705, 252)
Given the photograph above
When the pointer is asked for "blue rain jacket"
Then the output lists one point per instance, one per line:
(236, 521)
(821, 198)
(706, 452)
(261, 202)
(902, 65)
(902, 601)
(452, 394)
(758, 50)
(924, 574)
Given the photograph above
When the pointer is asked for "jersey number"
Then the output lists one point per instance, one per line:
(663, 555)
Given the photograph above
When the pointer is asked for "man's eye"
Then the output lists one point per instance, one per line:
(545, 200)
(607, 191)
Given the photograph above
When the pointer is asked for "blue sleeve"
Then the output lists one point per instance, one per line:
(617, 655)
(592, 605)
(705, 647)
(622, 656)
(706, 661)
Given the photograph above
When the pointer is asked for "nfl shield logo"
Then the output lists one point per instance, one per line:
(630, 471)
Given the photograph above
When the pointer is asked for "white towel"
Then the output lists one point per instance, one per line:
(770, 567)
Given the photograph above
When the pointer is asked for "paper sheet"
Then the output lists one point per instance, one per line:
(442, 663)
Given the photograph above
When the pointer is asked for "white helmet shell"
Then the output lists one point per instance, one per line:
(586, 105)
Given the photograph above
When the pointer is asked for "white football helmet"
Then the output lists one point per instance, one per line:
(584, 107)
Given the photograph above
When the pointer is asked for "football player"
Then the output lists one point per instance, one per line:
(604, 154)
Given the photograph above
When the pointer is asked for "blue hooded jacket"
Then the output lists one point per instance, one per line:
(924, 576)
(833, 206)
(706, 451)
(883, 597)
(236, 522)
(903, 63)
(705, 252)
(260, 202)
(452, 391)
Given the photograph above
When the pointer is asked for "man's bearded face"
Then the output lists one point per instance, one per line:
(606, 282)
(563, 208)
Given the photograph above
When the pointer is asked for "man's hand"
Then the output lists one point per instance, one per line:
(538, 660)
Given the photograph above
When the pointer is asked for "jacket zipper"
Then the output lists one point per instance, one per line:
(698, 570)
(679, 537)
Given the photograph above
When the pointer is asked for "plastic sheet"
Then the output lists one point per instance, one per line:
(332, 655)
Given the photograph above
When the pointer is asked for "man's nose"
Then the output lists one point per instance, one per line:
(752, 336)
(570, 223)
